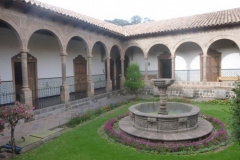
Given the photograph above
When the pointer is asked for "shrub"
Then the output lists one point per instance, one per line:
(134, 80)
(235, 113)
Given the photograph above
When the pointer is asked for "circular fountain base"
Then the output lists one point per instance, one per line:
(203, 130)
(181, 124)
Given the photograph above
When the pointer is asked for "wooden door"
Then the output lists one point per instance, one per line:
(213, 65)
(212, 68)
(80, 74)
(32, 75)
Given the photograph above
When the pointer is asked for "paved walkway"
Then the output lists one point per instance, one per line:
(36, 126)
(49, 122)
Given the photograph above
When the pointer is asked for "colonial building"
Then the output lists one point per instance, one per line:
(47, 51)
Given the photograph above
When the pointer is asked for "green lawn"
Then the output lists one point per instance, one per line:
(85, 143)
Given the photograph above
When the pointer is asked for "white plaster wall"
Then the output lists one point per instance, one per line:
(9, 47)
(187, 57)
(230, 53)
(97, 65)
(153, 54)
(74, 49)
(46, 49)
(136, 56)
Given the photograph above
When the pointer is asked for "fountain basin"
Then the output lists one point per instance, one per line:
(181, 118)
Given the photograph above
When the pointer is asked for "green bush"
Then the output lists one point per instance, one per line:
(134, 80)
(235, 113)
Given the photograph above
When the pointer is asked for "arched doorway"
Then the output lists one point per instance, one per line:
(222, 60)
(17, 75)
(165, 65)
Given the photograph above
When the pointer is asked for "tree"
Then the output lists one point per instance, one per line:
(12, 114)
(235, 112)
(119, 22)
(136, 19)
(134, 80)
(146, 20)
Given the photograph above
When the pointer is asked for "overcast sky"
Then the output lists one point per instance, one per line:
(154, 9)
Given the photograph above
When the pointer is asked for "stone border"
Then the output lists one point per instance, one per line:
(203, 130)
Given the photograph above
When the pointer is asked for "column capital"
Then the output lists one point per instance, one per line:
(63, 54)
(108, 58)
(24, 50)
(146, 58)
(173, 57)
(122, 59)
(204, 55)
(89, 56)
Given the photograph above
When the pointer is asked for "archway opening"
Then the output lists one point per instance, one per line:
(44, 46)
(223, 61)
(115, 77)
(135, 55)
(99, 70)
(9, 47)
(187, 62)
(77, 68)
(159, 62)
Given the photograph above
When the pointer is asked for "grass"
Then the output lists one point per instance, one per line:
(84, 142)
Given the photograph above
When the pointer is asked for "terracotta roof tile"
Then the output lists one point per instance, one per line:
(183, 23)
(196, 21)
(102, 24)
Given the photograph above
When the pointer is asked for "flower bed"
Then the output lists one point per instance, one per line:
(219, 137)
(96, 109)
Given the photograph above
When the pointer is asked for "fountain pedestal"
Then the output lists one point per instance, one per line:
(162, 85)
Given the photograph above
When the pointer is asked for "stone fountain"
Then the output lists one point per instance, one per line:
(165, 121)
(162, 85)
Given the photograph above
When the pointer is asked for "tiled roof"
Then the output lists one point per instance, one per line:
(99, 23)
(224, 17)
(183, 23)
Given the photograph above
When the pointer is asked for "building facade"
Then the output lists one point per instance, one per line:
(46, 51)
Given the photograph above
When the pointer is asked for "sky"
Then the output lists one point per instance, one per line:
(153, 9)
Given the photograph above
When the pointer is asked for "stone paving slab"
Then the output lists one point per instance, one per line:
(43, 134)
(28, 140)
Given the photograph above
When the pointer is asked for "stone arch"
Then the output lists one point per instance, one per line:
(56, 34)
(81, 37)
(104, 46)
(156, 43)
(16, 29)
(124, 53)
(222, 37)
(119, 49)
(184, 41)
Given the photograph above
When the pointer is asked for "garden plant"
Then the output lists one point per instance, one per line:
(134, 80)
(11, 115)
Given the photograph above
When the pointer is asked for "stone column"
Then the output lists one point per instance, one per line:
(122, 73)
(109, 82)
(90, 90)
(173, 67)
(64, 89)
(204, 69)
(146, 70)
(26, 93)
